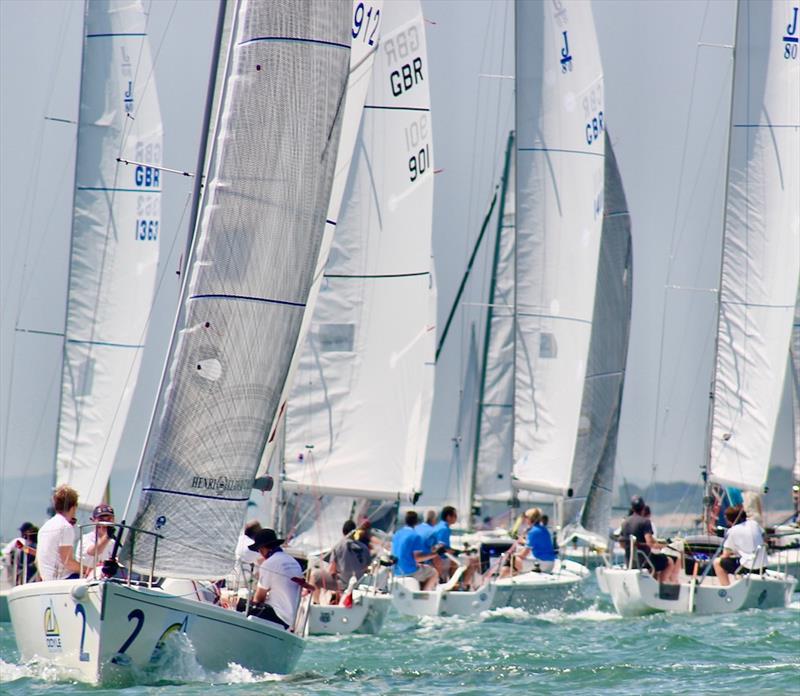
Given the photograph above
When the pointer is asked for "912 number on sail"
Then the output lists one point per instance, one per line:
(372, 16)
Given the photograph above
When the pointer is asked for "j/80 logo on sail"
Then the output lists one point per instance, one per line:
(790, 40)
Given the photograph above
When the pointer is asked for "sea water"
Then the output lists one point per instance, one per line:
(586, 648)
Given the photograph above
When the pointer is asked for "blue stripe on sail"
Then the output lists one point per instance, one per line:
(790, 39)
(397, 108)
(41, 332)
(331, 222)
(106, 343)
(248, 298)
(196, 495)
(100, 36)
(555, 149)
(116, 190)
(294, 39)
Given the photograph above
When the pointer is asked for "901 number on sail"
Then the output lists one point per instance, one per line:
(416, 143)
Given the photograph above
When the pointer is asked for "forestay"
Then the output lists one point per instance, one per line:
(589, 508)
(495, 409)
(761, 244)
(358, 415)
(256, 245)
(114, 248)
(560, 153)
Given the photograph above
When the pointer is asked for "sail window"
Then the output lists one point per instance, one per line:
(335, 337)
(548, 348)
(83, 387)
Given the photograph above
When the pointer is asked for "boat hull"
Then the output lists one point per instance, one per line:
(636, 593)
(108, 633)
(536, 592)
(367, 615)
(414, 602)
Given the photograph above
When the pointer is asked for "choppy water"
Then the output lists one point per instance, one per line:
(584, 650)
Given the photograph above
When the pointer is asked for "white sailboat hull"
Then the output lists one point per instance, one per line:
(365, 616)
(107, 632)
(636, 593)
(408, 599)
(535, 591)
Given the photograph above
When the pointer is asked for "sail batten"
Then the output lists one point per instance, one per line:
(115, 244)
(761, 247)
(259, 233)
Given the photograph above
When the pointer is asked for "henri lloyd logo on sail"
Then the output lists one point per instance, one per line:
(221, 484)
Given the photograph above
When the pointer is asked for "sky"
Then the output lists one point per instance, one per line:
(667, 79)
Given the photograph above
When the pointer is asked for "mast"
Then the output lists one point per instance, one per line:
(488, 329)
(706, 467)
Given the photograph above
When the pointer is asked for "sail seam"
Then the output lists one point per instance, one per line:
(553, 316)
(249, 298)
(100, 36)
(105, 343)
(396, 108)
(556, 149)
(115, 190)
(377, 275)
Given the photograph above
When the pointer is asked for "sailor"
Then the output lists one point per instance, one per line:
(349, 559)
(56, 539)
(425, 529)
(743, 547)
(539, 543)
(19, 555)
(245, 558)
(411, 552)
(636, 525)
(97, 544)
(442, 544)
(279, 580)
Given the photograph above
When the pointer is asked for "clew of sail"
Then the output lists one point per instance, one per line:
(256, 246)
(589, 508)
(559, 180)
(761, 245)
(114, 247)
(358, 415)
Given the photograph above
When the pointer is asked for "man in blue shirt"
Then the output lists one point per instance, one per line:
(425, 529)
(409, 550)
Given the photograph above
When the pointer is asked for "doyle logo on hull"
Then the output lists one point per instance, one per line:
(52, 633)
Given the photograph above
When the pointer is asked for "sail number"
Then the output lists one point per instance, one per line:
(416, 144)
(594, 128)
(791, 39)
(146, 230)
(592, 103)
(373, 19)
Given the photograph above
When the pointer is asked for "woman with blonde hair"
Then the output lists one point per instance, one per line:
(539, 545)
(54, 553)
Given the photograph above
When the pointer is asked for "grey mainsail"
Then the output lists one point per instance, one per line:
(589, 508)
(256, 245)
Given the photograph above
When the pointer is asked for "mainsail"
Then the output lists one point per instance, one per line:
(114, 247)
(559, 200)
(255, 249)
(589, 508)
(795, 382)
(358, 415)
(761, 244)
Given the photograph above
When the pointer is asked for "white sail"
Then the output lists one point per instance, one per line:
(589, 508)
(114, 247)
(256, 247)
(495, 411)
(358, 415)
(365, 34)
(560, 156)
(795, 385)
(761, 244)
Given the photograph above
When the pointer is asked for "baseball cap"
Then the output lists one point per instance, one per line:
(102, 509)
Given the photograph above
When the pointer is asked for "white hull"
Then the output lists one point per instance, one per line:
(635, 593)
(106, 632)
(539, 592)
(785, 561)
(412, 601)
(365, 616)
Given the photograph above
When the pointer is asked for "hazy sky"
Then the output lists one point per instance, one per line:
(666, 109)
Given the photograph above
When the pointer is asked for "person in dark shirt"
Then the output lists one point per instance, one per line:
(638, 526)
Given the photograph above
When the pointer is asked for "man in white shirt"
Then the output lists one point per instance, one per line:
(54, 551)
(97, 544)
(743, 546)
(279, 579)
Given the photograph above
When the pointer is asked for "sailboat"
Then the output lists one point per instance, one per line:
(279, 91)
(358, 416)
(114, 250)
(756, 304)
